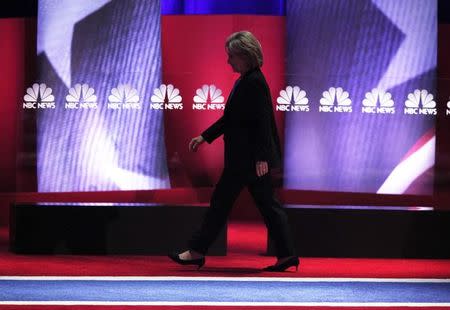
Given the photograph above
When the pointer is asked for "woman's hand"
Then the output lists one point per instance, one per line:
(261, 168)
(195, 142)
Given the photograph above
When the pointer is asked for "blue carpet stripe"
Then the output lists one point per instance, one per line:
(224, 291)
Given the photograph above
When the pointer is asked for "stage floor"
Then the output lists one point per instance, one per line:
(331, 283)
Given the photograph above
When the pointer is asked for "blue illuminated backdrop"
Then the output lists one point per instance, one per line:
(102, 43)
(360, 45)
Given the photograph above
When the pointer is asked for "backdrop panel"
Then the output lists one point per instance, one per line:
(377, 144)
(102, 44)
(195, 57)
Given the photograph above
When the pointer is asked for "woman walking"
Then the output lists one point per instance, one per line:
(252, 149)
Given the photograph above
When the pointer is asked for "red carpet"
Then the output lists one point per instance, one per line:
(245, 258)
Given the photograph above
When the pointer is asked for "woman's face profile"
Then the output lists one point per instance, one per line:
(237, 62)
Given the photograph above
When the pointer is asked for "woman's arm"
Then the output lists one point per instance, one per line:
(261, 115)
(214, 131)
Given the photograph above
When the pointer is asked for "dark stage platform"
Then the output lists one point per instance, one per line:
(105, 228)
(369, 232)
(155, 229)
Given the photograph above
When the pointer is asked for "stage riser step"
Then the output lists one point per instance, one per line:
(63, 229)
(369, 233)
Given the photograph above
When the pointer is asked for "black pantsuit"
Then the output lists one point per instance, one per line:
(250, 135)
(225, 194)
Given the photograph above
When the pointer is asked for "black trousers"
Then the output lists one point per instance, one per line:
(222, 200)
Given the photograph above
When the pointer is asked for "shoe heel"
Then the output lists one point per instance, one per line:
(200, 264)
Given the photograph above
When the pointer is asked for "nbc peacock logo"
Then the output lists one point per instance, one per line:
(39, 96)
(166, 97)
(208, 97)
(124, 96)
(292, 99)
(335, 100)
(370, 102)
(420, 102)
(81, 97)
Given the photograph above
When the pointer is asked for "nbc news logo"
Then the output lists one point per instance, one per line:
(371, 100)
(81, 97)
(292, 99)
(166, 97)
(123, 97)
(208, 98)
(39, 96)
(423, 98)
(327, 102)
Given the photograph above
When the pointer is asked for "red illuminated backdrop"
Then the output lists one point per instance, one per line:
(197, 57)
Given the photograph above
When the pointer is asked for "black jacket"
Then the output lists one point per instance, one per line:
(248, 125)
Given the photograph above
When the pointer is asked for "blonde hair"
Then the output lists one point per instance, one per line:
(245, 43)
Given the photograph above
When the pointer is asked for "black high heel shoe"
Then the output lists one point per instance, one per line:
(176, 258)
(292, 261)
